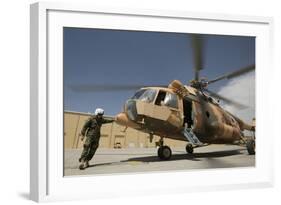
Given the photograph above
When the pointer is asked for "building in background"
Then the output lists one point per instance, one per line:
(112, 135)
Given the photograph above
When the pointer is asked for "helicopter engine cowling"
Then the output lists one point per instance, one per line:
(225, 132)
(178, 88)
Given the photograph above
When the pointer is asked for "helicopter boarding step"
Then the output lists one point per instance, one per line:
(191, 137)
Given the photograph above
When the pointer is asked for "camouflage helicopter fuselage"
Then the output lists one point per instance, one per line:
(210, 122)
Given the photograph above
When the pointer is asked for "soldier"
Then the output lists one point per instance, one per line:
(92, 131)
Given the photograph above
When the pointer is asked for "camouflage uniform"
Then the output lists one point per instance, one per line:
(92, 130)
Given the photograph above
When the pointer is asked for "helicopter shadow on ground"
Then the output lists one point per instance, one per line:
(175, 157)
(185, 156)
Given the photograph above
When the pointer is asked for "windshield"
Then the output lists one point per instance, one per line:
(146, 95)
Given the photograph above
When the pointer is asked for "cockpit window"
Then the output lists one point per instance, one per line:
(138, 94)
(145, 95)
(167, 99)
(171, 100)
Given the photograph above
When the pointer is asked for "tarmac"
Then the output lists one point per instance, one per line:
(134, 160)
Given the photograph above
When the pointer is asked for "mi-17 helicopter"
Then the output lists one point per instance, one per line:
(189, 113)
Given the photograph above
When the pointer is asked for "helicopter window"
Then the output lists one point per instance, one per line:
(160, 98)
(138, 94)
(167, 99)
(146, 95)
(171, 100)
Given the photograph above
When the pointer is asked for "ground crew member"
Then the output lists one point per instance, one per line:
(91, 130)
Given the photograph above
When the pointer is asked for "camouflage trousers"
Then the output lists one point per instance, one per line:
(90, 147)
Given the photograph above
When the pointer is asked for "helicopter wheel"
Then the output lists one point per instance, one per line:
(251, 147)
(189, 148)
(159, 152)
(164, 152)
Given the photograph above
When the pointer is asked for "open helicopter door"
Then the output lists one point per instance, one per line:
(187, 111)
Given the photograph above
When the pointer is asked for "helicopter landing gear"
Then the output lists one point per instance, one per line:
(251, 146)
(189, 148)
(164, 152)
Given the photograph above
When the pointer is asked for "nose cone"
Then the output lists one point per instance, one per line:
(123, 120)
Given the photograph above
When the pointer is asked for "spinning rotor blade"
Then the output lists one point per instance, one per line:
(107, 88)
(226, 100)
(234, 74)
(197, 45)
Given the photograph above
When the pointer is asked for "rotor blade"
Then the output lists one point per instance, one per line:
(226, 100)
(197, 54)
(107, 88)
(234, 74)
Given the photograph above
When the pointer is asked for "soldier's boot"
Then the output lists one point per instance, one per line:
(86, 164)
(82, 166)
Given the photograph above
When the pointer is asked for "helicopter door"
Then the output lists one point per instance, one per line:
(187, 109)
(167, 108)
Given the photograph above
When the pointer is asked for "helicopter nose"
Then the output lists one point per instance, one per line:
(131, 110)
(123, 120)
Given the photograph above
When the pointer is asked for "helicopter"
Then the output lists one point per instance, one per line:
(190, 113)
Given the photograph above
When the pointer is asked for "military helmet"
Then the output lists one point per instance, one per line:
(99, 111)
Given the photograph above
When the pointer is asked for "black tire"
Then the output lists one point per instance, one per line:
(251, 147)
(189, 148)
(159, 152)
(164, 153)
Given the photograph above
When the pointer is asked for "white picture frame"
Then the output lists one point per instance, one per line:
(46, 155)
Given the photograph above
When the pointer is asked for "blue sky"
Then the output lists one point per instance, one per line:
(95, 56)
